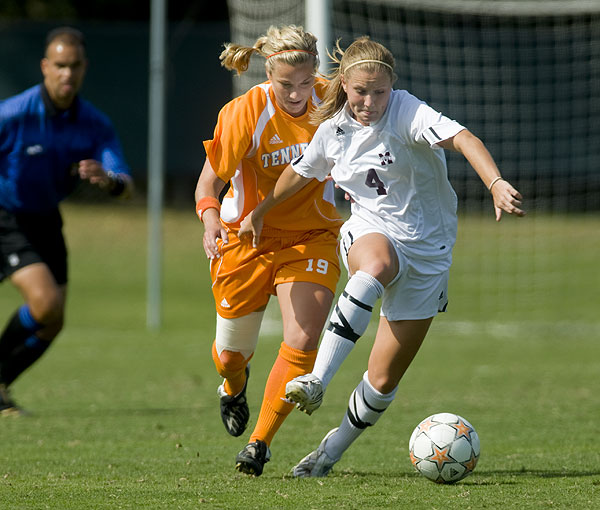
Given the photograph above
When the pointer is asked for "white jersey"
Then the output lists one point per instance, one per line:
(393, 171)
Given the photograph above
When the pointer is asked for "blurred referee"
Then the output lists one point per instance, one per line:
(50, 138)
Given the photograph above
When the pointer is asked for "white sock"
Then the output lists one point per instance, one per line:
(348, 322)
(365, 407)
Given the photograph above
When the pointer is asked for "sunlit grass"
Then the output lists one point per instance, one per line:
(123, 417)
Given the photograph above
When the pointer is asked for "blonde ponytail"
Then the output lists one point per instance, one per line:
(288, 44)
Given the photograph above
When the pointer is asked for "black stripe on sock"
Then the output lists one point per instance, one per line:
(356, 302)
(344, 330)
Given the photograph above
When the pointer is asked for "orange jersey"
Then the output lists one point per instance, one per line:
(254, 140)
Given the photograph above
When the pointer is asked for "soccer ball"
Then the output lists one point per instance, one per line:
(444, 448)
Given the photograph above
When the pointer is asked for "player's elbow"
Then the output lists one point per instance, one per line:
(466, 142)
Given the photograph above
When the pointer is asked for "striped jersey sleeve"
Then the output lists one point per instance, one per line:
(442, 130)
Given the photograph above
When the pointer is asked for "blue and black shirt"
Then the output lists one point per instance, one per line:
(41, 146)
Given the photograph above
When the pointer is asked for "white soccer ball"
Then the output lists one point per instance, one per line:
(444, 447)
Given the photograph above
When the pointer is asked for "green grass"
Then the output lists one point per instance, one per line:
(127, 418)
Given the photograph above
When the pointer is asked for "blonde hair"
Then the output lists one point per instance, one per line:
(288, 44)
(362, 54)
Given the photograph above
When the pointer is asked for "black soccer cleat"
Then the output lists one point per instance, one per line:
(252, 458)
(234, 409)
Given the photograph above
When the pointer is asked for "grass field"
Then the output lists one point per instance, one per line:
(123, 418)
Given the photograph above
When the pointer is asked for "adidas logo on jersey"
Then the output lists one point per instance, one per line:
(33, 150)
(339, 131)
(275, 139)
(13, 260)
(225, 304)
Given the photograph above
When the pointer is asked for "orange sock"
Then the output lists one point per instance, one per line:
(232, 366)
(289, 364)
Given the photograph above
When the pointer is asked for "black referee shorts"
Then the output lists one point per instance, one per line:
(29, 238)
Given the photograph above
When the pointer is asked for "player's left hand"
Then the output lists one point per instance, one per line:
(251, 225)
(91, 170)
(507, 199)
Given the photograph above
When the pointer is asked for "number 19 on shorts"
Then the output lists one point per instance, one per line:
(321, 266)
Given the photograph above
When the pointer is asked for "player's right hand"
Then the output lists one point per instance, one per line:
(507, 199)
(251, 226)
(213, 231)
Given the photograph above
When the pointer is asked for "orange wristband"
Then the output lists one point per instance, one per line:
(207, 203)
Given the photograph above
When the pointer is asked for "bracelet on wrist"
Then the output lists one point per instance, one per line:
(494, 182)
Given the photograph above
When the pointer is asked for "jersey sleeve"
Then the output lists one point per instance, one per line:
(110, 153)
(441, 130)
(424, 124)
(7, 130)
(232, 137)
(314, 162)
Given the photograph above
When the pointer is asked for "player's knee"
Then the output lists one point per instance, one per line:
(383, 270)
(303, 338)
(232, 361)
(47, 307)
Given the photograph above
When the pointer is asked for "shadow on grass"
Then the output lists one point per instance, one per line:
(541, 473)
(481, 478)
(114, 412)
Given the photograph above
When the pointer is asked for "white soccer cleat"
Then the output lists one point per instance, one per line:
(317, 463)
(307, 391)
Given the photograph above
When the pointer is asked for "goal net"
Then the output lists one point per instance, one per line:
(249, 19)
(524, 76)
(525, 80)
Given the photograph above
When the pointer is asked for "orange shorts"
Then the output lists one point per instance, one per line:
(245, 277)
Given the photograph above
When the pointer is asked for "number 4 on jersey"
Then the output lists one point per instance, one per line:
(373, 181)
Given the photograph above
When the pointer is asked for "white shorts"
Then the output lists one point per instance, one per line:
(416, 292)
